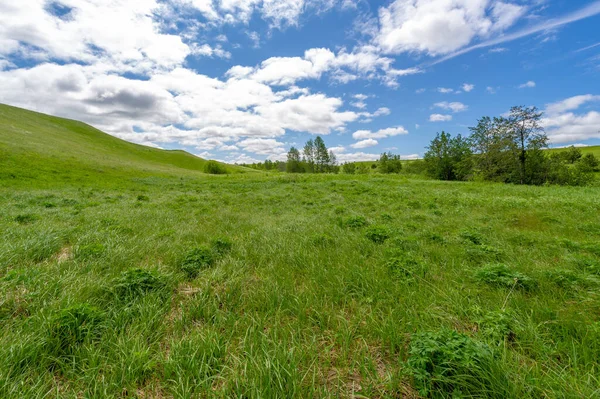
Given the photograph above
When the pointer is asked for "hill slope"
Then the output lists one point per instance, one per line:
(43, 147)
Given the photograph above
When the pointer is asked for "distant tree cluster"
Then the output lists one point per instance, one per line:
(267, 165)
(315, 158)
(507, 149)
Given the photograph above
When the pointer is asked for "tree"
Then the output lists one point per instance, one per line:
(294, 165)
(589, 162)
(321, 155)
(309, 156)
(349, 168)
(572, 154)
(527, 132)
(494, 149)
(448, 158)
(333, 164)
(389, 163)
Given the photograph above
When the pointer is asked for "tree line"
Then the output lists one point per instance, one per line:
(509, 149)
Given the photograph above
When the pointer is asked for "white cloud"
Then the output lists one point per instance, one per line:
(208, 51)
(357, 157)
(262, 146)
(441, 26)
(527, 85)
(445, 90)
(453, 106)
(468, 87)
(380, 134)
(440, 118)
(420, 91)
(563, 125)
(383, 111)
(490, 90)
(365, 143)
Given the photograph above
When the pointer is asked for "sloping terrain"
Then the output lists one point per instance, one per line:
(40, 147)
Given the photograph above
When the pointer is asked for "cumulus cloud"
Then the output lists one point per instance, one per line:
(440, 118)
(452, 106)
(365, 143)
(564, 125)
(380, 134)
(468, 87)
(438, 27)
(445, 90)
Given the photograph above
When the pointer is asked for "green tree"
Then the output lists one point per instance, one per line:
(572, 154)
(321, 156)
(528, 134)
(389, 163)
(448, 158)
(294, 164)
(349, 168)
(494, 149)
(590, 162)
(309, 156)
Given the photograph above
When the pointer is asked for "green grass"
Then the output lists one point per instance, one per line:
(301, 286)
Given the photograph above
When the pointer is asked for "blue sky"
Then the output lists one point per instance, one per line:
(243, 80)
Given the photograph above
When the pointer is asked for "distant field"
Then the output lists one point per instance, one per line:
(144, 282)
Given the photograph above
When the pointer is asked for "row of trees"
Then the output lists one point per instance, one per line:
(507, 149)
(315, 158)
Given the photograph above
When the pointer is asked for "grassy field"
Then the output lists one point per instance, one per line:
(152, 280)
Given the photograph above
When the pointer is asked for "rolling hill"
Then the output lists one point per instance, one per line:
(67, 150)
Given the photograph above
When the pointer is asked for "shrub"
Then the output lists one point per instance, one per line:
(378, 234)
(472, 236)
(26, 219)
(215, 168)
(221, 246)
(137, 282)
(72, 326)
(500, 275)
(406, 266)
(450, 364)
(349, 168)
(497, 326)
(355, 222)
(196, 260)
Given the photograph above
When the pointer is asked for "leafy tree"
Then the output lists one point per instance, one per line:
(524, 125)
(309, 155)
(349, 168)
(362, 169)
(321, 157)
(448, 158)
(215, 168)
(389, 163)
(333, 164)
(572, 154)
(589, 161)
(493, 149)
(294, 165)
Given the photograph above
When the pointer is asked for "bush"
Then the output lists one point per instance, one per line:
(137, 282)
(502, 276)
(143, 198)
(406, 266)
(221, 246)
(73, 326)
(449, 364)
(472, 236)
(378, 234)
(497, 326)
(349, 168)
(355, 222)
(196, 260)
(26, 219)
(215, 168)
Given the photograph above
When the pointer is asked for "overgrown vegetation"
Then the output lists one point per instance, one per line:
(319, 285)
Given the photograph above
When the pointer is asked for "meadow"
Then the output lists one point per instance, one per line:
(150, 280)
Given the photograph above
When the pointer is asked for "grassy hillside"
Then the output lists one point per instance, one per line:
(40, 147)
(150, 280)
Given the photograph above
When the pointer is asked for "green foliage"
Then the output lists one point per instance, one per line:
(196, 260)
(72, 327)
(500, 275)
(221, 246)
(448, 158)
(572, 154)
(294, 164)
(447, 364)
(496, 326)
(472, 236)
(570, 279)
(89, 251)
(378, 234)
(355, 222)
(26, 219)
(389, 163)
(215, 168)
(349, 168)
(137, 282)
(143, 198)
(405, 265)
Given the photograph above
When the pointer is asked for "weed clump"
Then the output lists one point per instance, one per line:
(89, 251)
(450, 364)
(472, 236)
(196, 260)
(72, 326)
(496, 326)
(143, 198)
(221, 246)
(500, 275)
(137, 282)
(406, 266)
(564, 278)
(26, 219)
(378, 234)
(355, 222)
